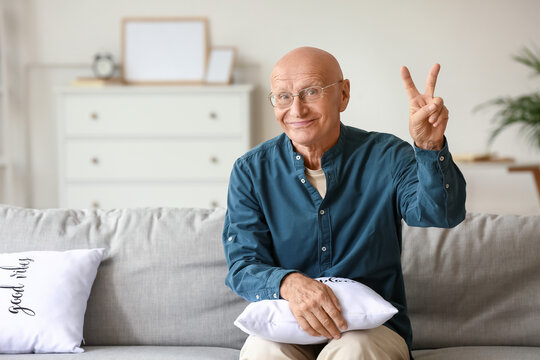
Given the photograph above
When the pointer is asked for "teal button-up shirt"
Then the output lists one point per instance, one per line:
(277, 222)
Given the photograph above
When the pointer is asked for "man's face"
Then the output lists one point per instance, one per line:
(315, 123)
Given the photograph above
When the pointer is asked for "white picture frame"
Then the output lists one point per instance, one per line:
(221, 65)
(164, 50)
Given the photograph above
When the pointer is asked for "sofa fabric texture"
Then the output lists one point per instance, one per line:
(160, 291)
(162, 280)
(477, 284)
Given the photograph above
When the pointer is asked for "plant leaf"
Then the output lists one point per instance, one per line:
(528, 58)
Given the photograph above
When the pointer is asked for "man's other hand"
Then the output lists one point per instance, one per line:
(428, 116)
(314, 306)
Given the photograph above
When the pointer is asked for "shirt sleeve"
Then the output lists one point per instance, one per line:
(430, 187)
(247, 241)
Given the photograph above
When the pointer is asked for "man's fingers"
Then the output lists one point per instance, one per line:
(442, 120)
(432, 80)
(317, 325)
(440, 106)
(428, 110)
(411, 89)
(304, 324)
(333, 298)
(329, 329)
(335, 311)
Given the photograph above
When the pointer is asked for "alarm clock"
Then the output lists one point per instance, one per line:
(103, 66)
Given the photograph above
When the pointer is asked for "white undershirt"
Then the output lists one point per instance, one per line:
(317, 179)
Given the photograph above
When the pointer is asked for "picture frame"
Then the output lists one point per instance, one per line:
(164, 51)
(221, 65)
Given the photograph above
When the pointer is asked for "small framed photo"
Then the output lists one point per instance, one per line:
(164, 50)
(221, 65)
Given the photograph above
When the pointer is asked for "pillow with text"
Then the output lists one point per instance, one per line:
(43, 297)
(273, 320)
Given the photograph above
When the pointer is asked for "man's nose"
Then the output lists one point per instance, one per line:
(298, 108)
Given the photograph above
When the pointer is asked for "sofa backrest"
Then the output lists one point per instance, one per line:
(162, 281)
(476, 284)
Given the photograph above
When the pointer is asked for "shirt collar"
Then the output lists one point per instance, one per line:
(335, 150)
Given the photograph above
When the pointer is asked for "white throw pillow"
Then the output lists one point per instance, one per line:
(43, 297)
(362, 308)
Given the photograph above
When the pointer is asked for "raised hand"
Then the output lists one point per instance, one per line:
(314, 306)
(428, 116)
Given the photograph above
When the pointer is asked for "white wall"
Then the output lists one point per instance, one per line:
(472, 40)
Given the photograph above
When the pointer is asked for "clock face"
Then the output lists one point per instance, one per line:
(103, 66)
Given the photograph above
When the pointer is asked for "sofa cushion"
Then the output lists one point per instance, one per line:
(476, 284)
(162, 281)
(139, 353)
(479, 353)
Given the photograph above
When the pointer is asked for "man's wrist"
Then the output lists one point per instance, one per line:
(430, 145)
(284, 286)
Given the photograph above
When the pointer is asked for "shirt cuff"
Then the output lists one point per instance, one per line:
(271, 291)
(441, 157)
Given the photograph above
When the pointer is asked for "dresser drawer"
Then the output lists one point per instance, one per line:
(154, 114)
(109, 196)
(150, 159)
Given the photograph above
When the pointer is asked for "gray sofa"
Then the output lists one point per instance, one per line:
(473, 291)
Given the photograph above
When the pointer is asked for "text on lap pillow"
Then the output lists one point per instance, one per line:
(273, 320)
(43, 297)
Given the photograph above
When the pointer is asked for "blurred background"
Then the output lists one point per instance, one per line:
(46, 44)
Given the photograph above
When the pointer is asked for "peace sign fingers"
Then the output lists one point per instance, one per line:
(432, 80)
(408, 82)
(427, 116)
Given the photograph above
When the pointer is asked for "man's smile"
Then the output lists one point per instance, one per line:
(300, 123)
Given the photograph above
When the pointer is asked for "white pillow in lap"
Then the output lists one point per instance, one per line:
(362, 308)
(43, 297)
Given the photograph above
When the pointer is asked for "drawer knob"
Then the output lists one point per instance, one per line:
(94, 160)
(95, 205)
(214, 204)
(94, 116)
(213, 115)
(214, 160)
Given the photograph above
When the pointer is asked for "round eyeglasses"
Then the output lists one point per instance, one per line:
(285, 99)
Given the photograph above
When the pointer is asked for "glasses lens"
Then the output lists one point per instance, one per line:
(281, 100)
(311, 93)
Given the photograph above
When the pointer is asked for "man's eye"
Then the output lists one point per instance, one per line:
(283, 97)
(311, 91)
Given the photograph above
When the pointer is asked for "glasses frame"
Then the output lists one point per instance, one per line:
(298, 94)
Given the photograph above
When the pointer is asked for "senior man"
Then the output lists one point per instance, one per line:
(325, 199)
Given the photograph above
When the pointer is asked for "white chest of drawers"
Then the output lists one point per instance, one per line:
(135, 146)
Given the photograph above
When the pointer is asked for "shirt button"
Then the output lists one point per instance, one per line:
(298, 157)
(323, 248)
(441, 158)
(275, 296)
(447, 186)
(230, 238)
(257, 297)
(321, 212)
(303, 181)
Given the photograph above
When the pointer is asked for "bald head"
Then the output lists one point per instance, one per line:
(312, 124)
(307, 61)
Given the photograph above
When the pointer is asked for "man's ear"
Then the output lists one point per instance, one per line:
(344, 95)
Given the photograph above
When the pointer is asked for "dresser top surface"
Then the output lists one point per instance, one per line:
(155, 89)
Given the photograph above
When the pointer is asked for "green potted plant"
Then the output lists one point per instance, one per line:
(524, 110)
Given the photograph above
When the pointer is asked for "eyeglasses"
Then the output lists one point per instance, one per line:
(285, 99)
